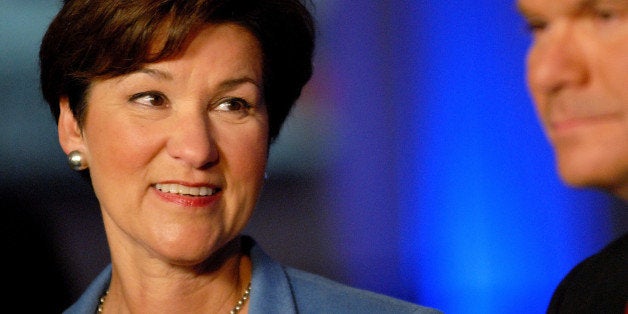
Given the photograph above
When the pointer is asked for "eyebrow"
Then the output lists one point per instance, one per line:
(524, 10)
(521, 9)
(225, 85)
(233, 83)
(157, 73)
(584, 5)
(579, 6)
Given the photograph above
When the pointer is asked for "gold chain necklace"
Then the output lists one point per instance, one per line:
(235, 310)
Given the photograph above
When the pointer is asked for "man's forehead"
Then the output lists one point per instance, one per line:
(529, 7)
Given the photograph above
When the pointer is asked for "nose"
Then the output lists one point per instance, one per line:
(192, 141)
(557, 60)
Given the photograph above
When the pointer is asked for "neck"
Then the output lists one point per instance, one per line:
(214, 286)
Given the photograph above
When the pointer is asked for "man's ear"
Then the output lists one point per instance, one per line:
(70, 135)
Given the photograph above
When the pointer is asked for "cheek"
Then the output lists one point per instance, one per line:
(247, 157)
(531, 68)
(118, 149)
(616, 74)
(534, 87)
(245, 153)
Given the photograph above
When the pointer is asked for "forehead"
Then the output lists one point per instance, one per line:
(530, 7)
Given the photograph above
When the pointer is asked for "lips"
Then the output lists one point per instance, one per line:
(569, 110)
(174, 188)
(575, 122)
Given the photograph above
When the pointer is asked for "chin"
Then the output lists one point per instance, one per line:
(599, 173)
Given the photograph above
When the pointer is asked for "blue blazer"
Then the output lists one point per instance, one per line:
(276, 288)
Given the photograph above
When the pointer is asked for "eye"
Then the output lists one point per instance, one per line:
(607, 11)
(151, 99)
(605, 14)
(536, 25)
(233, 104)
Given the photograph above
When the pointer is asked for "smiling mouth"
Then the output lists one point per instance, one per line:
(174, 188)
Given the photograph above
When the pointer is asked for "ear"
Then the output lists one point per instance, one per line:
(70, 135)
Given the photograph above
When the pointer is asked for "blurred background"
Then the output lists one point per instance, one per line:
(412, 166)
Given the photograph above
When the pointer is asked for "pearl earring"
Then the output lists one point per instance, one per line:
(77, 161)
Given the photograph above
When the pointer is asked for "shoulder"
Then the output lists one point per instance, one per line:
(88, 302)
(278, 288)
(598, 283)
(317, 294)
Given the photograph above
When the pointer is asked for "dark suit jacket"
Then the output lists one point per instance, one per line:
(599, 284)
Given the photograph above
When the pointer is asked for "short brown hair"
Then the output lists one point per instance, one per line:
(90, 39)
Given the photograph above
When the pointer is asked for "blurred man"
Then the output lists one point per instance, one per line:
(577, 72)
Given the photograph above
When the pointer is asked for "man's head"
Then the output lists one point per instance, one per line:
(578, 76)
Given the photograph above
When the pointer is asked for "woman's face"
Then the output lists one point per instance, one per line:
(177, 150)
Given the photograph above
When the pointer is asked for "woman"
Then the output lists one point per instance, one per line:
(169, 108)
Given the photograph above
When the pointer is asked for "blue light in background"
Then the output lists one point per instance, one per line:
(440, 162)
(363, 218)
(486, 222)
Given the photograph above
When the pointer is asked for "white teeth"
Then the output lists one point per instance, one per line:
(185, 190)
